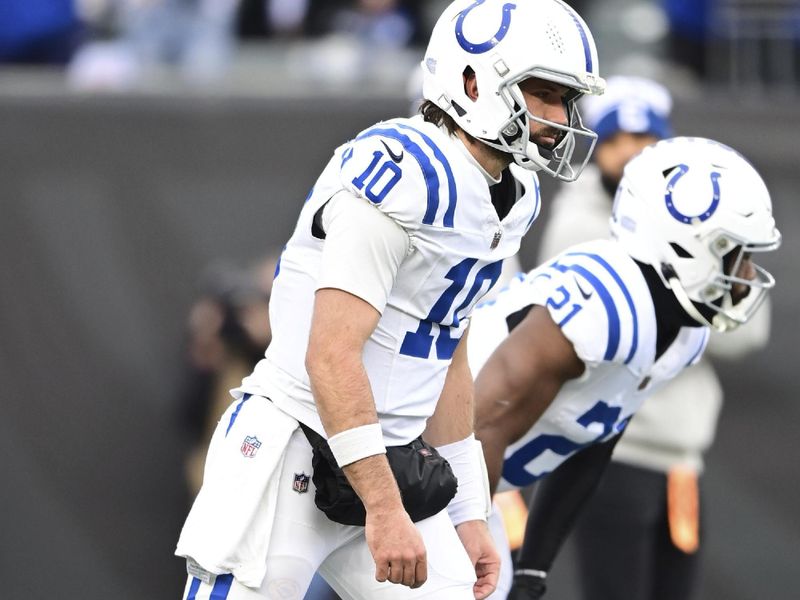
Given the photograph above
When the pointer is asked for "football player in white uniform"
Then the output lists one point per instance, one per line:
(567, 353)
(320, 463)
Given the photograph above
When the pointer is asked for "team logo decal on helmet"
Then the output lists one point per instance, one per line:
(682, 170)
(480, 48)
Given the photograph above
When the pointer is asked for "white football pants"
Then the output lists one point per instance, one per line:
(304, 540)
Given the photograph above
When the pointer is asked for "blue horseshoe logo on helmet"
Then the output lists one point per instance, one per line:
(481, 47)
(682, 170)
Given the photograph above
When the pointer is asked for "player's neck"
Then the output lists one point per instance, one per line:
(491, 160)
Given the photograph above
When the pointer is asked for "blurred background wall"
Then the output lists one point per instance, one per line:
(122, 177)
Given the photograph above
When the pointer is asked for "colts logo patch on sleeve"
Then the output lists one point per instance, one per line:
(250, 446)
(300, 483)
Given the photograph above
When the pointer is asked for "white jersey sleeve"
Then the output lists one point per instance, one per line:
(363, 249)
(590, 296)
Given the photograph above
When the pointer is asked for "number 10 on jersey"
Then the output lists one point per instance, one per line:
(418, 343)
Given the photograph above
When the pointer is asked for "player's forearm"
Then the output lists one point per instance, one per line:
(453, 420)
(558, 500)
(502, 416)
(341, 388)
(374, 482)
(344, 401)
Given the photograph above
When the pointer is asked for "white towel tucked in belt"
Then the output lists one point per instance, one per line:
(228, 528)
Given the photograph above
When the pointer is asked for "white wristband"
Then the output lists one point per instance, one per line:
(351, 445)
(472, 501)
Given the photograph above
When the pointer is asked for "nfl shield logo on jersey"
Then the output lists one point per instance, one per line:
(250, 446)
(300, 483)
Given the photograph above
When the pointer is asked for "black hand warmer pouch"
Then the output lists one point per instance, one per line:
(426, 481)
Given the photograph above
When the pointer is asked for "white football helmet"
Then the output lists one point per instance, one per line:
(693, 208)
(505, 43)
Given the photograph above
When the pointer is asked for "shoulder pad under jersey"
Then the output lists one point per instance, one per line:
(402, 169)
(592, 297)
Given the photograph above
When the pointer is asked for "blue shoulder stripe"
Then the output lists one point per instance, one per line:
(428, 170)
(452, 195)
(608, 302)
(628, 298)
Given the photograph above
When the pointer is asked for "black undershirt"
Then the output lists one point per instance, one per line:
(504, 193)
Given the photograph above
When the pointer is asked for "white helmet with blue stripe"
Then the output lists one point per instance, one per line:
(504, 43)
(693, 209)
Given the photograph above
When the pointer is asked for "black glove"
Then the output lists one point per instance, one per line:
(527, 587)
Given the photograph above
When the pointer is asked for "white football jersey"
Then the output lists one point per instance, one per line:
(418, 175)
(599, 298)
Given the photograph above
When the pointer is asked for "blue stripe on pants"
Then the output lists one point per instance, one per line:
(221, 587)
(235, 414)
(193, 589)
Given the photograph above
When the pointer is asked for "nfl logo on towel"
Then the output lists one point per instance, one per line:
(300, 483)
(250, 446)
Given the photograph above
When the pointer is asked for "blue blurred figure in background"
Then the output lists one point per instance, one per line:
(38, 31)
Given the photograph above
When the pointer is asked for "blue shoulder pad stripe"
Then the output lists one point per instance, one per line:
(628, 298)
(452, 196)
(608, 303)
(428, 170)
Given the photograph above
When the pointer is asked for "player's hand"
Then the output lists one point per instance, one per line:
(527, 587)
(397, 548)
(481, 551)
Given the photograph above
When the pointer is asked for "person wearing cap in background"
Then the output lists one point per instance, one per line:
(638, 537)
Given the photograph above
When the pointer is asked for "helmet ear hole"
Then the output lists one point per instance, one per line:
(680, 250)
(513, 131)
(470, 83)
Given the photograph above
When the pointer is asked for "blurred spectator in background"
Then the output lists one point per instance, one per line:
(633, 113)
(38, 31)
(739, 41)
(378, 22)
(228, 330)
(268, 18)
(358, 41)
(689, 32)
(638, 537)
(196, 37)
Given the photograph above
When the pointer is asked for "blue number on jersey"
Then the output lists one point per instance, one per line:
(514, 466)
(369, 190)
(560, 303)
(418, 343)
